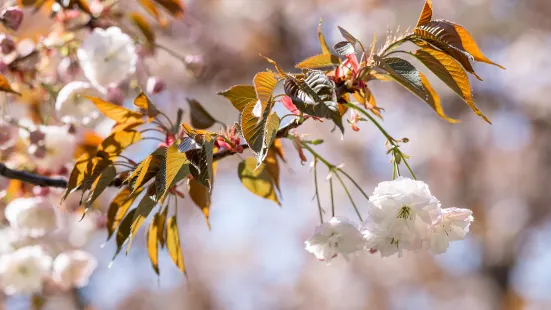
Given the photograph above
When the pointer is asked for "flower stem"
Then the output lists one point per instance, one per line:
(349, 197)
(317, 189)
(332, 198)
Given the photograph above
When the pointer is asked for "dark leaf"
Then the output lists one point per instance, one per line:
(200, 118)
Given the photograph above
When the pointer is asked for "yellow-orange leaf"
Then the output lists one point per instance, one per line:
(471, 47)
(5, 86)
(174, 7)
(152, 238)
(176, 167)
(240, 96)
(173, 243)
(118, 141)
(324, 47)
(142, 212)
(264, 84)
(101, 183)
(115, 112)
(451, 73)
(257, 180)
(319, 61)
(118, 208)
(426, 14)
(272, 166)
(143, 25)
(201, 196)
(143, 102)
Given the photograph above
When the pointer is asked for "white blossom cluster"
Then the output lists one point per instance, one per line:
(402, 215)
(33, 256)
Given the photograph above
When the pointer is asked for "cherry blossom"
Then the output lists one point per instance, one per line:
(32, 216)
(73, 269)
(338, 236)
(72, 106)
(24, 270)
(453, 227)
(107, 57)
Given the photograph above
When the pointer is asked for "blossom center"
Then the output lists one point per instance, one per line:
(405, 213)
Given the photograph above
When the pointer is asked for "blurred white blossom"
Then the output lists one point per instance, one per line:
(73, 269)
(454, 226)
(338, 236)
(58, 147)
(24, 270)
(72, 106)
(34, 217)
(107, 57)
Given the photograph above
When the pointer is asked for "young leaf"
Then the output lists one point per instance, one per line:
(151, 9)
(173, 243)
(87, 168)
(347, 36)
(143, 209)
(143, 25)
(200, 118)
(259, 131)
(162, 228)
(145, 171)
(101, 183)
(174, 168)
(319, 61)
(117, 113)
(264, 84)
(201, 167)
(124, 231)
(426, 14)
(151, 240)
(272, 166)
(240, 96)
(143, 102)
(5, 86)
(471, 47)
(174, 7)
(407, 75)
(450, 72)
(324, 47)
(201, 196)
(118, 208)
(257, 180)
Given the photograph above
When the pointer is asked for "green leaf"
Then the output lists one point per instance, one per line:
(407, 75)
(257, 180)
(201, 197)
(451, 73)
(143, 209)
(319, 61)
(173, 244)
(240, 96)
(200, 118)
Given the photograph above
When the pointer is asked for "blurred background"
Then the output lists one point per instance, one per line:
(254, 257)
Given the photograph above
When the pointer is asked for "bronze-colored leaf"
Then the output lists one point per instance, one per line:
(202, 166)
(143, 25)
(240, 96)
(161, 232)
(426, 14)
(471, 47)
(451, 73)
(143, 209)
(5, 86)
(174, 7)
(101, 183)
(324, 47)
(143, 102)
(118, 208)
(173, 243)
(87, 168)
(150, 7)
(200, 118)
(407, 75)
(264, 85)
(257, 180)
(151, 240)
(272, 166)
(115, 112)
(319, 61)
(347, 36)
(201, 195)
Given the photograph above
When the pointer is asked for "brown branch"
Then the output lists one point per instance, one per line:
(44, 181)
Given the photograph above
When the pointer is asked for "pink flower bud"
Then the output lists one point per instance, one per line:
(68, 69)
(155, 85)
(7, 45)
(195, 64)
(12, 17)
(115, 95)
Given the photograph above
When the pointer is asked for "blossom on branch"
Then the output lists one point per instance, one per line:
(73, 269)
(24, 270)
(34, 217)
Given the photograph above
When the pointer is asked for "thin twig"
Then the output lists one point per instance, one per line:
(317, 189)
